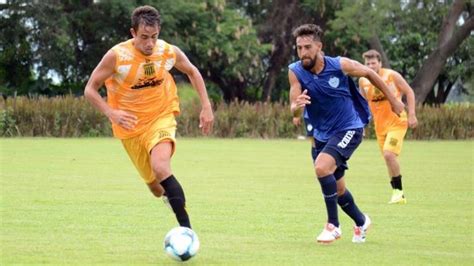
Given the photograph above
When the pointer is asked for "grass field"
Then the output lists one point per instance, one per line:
(252, 202)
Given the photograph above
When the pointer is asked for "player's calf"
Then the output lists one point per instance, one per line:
(175, 195)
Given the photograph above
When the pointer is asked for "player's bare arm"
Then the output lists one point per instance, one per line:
(356, 69)
(361, 89)
(406, 90)
(206, 118)
(362, 92)
(298, 99)
(103, 71)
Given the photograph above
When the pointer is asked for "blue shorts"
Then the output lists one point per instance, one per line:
(340, 146)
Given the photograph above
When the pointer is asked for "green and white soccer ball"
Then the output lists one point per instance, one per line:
(181, 243)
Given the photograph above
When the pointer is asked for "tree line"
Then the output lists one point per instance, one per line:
(242, 47)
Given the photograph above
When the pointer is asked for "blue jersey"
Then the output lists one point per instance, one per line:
(336, 104)
(307, 123)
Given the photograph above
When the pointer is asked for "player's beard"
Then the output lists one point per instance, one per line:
(308, 63)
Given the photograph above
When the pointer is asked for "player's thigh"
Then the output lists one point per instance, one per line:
(162, 130)
(160, 141)
(381, 140)
(394, 141)
(325, 164)
(162, 152)
(140, 158)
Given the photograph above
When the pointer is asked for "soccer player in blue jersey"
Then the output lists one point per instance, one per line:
(338, 113)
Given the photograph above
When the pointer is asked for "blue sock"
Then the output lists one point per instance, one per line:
(329, 189)
(346, 201)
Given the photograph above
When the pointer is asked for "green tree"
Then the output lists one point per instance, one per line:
(420, 40)
(66, 39)
(221, 41)
(71, 45)
(16, 55)
(275, 21)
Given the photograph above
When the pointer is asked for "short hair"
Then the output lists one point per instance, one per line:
(309, 29)
(146, 15)
(372, 54)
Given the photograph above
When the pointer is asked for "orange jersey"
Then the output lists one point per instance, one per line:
(142, 85)
(384, 118)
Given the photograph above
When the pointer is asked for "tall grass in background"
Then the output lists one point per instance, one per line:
(241, 119)
(51, 117)
(450, 121)
(74, 117)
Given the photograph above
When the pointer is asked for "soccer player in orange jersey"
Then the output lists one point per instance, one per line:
(142, 103)
(389, 128)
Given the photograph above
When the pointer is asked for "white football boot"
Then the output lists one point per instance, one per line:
(361, 231)
(329, 234)
(398, 197)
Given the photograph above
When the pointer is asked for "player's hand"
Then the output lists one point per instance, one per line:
(297, 121)
(300, 102)
(412, 121)
(303, 99)
(123, 119)
(398, 107)
(206, 120)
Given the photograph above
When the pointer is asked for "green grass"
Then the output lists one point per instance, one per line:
(252, 202)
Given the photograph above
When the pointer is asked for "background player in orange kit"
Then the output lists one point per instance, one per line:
(390, 129)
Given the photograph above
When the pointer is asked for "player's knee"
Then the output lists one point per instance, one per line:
(389, 156)
(322, 170)
(156, 190)
(161, 170)
(340, 190)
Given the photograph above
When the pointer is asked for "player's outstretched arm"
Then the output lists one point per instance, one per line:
(298, 99)
(206, 118)
(361, 89)
(405, 89)
(103, 71)
(356, 69)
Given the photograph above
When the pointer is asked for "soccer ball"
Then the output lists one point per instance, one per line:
(181, 243)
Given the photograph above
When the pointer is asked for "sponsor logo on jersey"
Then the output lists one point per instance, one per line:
(153, 82)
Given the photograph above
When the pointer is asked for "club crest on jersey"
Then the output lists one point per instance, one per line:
(333, 82)
(149, 69)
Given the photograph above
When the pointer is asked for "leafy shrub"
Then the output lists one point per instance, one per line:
(68, 116)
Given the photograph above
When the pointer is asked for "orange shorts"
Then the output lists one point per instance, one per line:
(139, 147)
(392, 141)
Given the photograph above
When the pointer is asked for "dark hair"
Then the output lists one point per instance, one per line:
(309, 29)
(147, 15)
(371, 54)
